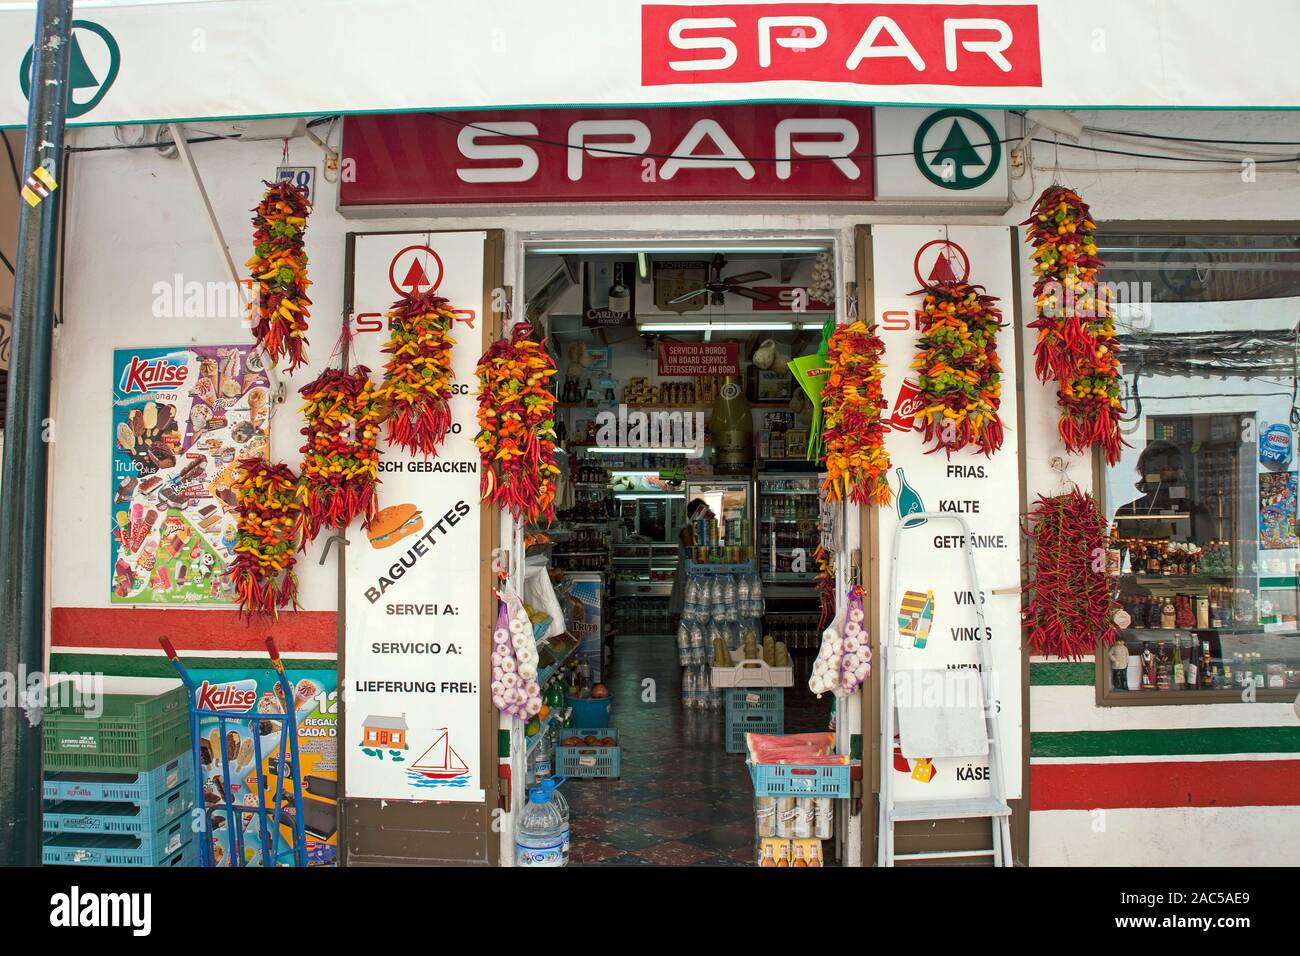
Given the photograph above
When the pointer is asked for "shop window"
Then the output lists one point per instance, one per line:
(1203, 505)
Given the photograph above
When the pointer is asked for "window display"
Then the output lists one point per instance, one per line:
(1202, 504)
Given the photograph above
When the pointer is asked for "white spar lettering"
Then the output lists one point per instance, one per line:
(728, 48)
(636, 139)
(865, 48)
(787, 146)
(684, 156)
(990, 48)
(467, 141)
(794, 41)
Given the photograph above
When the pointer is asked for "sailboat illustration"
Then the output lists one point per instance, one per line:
(440, 761)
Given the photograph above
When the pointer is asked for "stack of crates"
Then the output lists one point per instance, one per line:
(118, 786)
(753, 710)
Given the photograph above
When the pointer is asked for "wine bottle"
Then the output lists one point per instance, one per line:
(909, 502)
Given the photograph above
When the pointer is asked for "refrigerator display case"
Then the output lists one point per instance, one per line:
(724, 540)
(788, 527)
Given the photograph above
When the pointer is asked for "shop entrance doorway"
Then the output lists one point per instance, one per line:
(688, 538)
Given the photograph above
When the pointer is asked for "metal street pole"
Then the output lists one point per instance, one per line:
(23, 479)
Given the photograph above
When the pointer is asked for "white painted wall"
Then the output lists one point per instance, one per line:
(136, 220)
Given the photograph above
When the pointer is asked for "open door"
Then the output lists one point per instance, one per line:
(418, 735)
(892, 263)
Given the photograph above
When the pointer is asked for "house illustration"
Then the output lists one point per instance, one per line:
(380, 731)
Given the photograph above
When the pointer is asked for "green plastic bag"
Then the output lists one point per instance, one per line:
(810, 372)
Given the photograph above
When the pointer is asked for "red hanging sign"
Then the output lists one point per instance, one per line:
(699, 358)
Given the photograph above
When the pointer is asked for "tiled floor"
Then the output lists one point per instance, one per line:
(681, 799)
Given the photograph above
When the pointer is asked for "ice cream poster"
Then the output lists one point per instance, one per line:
(1277, 510)
(182, 420)
(255, 691)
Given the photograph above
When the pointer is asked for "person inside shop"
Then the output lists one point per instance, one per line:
(697, 510)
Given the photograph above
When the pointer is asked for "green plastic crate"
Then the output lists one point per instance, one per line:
(133, 733)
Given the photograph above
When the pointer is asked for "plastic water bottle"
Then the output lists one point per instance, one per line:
(553, 787)
(688, 687)
(539, 834)
(542, 757)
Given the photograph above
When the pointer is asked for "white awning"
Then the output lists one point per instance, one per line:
(136, 61)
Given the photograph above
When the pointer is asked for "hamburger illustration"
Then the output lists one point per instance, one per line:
(393, 524)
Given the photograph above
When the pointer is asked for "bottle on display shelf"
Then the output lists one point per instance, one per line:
(1179, 675)
(1148, 667)
(1191, 666)
(1207, 674)
(1163, 676)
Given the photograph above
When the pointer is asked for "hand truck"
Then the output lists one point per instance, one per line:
(269, 819)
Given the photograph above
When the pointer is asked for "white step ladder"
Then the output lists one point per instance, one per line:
(955, 726)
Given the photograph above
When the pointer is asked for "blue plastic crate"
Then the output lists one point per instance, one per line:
(139, 788)
(803, 780)
(86, 816)
(753, 710)
(588, 763)
(174, 845)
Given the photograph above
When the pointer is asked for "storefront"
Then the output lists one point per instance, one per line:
(676, 259)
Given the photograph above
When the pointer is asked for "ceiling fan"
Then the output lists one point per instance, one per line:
(717, 286)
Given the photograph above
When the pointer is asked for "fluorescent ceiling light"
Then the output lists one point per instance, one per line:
(634, 474)
(666, 250)
(738, 325)
(622, 450)
(642, 266)
(630, 496)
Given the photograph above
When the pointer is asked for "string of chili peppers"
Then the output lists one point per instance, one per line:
(516, 416)
(1070, 609)
(824, 583)
(340, 467)
(280, 306)
(852, 431)
(1076, 326)
(958, 369)
(269, 514)
(417, 378)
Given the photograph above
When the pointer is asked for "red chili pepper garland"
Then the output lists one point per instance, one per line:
(340, 470)
(853, 434)
(1076, 326)
(269, 518)
(279, 310)
(516, 416)
(417, 379)
(1070, 609)
(958, 369)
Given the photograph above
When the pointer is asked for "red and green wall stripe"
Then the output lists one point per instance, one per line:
(1141, 768)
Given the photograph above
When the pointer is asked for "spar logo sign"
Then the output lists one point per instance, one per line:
(956, 149)
(147, 375)
(870, 44)
(234, 696)
(95, 60)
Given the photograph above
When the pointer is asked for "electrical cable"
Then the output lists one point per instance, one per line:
(13, 163)
(202, 139)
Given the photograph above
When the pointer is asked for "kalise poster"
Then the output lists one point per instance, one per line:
(183, 419)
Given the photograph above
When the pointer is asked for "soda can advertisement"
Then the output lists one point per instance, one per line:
(1275, 446)
(906, 406)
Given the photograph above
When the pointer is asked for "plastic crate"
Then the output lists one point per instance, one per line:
(750, 672)
(753, 710)
(174, 845)
(587, 763)
(140, 788)
(801, 780)
(134, 733)
(85, 816)
(589, 711)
